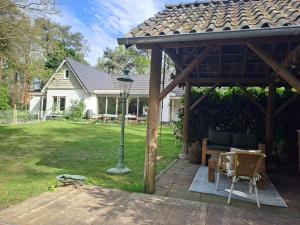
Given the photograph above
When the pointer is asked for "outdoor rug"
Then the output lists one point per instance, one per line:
(268, 196)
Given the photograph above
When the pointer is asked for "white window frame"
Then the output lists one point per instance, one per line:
(65, 74)
(56, 108)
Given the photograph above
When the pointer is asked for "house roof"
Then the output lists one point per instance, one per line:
(220, 16)
(140, 85)
(95, 81)
(91, 78)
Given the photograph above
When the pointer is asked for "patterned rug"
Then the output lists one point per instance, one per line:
(268, 196)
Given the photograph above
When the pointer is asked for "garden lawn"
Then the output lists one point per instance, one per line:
(31, 156)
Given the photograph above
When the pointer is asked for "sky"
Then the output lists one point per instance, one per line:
(102, 21)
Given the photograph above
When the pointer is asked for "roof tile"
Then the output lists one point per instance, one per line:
(220, 15)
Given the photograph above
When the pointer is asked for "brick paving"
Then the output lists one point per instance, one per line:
(94, 205)
(176, 181)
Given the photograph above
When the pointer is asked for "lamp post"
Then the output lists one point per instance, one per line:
(125, 83)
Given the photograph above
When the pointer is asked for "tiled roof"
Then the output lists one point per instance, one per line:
(93, 79)
(90, 77)
(220, 15)
(140, 85)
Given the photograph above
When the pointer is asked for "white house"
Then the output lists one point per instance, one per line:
(74, 81)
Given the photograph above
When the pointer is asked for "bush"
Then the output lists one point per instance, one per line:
(4, 98)
(77, 110)
(230, 110)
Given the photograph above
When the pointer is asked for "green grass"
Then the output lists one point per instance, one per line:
(31, 156)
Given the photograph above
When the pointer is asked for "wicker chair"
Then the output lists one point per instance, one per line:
(241, 165)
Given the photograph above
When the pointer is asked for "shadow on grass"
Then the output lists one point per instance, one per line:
(85, 149)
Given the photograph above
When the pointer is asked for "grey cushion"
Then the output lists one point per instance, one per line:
(219, 138)
(219, 148)
(244, 141)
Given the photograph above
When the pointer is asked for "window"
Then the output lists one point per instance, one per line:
(101, 105)
(67, 74)
(132, 106)
(143, 107)
(59, 104)
(111, 105)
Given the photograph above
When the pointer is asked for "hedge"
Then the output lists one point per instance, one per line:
(228, 109)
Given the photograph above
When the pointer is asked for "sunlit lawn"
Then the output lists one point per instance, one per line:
(31, 156)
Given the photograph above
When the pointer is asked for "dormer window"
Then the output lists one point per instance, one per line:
(66, 74)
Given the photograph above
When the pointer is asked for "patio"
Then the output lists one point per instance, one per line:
(175, 182)
(91, 205)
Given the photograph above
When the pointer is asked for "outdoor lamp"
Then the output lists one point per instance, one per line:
(125, 83)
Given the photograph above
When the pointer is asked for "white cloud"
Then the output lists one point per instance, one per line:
(110, 19)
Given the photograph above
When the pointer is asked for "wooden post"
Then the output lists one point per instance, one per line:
(117, 106)
(298, 150)
(137, 107)
(270, 117)
(185, 137)
(106, 104)
(203, 97)
(152, 121)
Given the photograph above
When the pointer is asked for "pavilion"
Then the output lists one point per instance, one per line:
(214, 43)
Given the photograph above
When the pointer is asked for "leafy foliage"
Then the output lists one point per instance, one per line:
(73, 148)
(4, 98)
(115, 60)
(76, 111)
(31, 46)
(230, 110)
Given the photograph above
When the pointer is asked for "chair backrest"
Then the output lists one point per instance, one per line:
(247, 163)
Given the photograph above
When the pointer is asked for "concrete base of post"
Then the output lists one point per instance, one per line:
(117, 170)
(183, 156)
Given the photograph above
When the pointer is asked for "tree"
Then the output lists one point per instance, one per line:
(60, 42)
(115, 60)
(4, 98)
(31, 46)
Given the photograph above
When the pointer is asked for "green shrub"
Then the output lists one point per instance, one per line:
(230, 110)
(77, 110)
(4, 98)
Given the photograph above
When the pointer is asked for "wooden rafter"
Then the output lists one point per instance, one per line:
(278, 69)
(187, 71)
(175, 58)
(220, 61)
(244, 62)
(231, 81)
(286, 104)
(203, 97)
(251, 97)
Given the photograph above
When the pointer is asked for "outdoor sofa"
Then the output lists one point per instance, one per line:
(220, 142)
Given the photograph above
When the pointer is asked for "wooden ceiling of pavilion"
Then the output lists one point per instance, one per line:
(185, 30)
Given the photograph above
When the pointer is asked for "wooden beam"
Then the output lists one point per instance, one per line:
(222, 42)
(230, 81)
(244, 65)
(186, 58)
(203, 97)
(152, 121)
(186, 115)
(286, 104)
(251, 97)
(270, 117)
(298, 131)
(280, 70)
(187, 71)
(175, 58)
